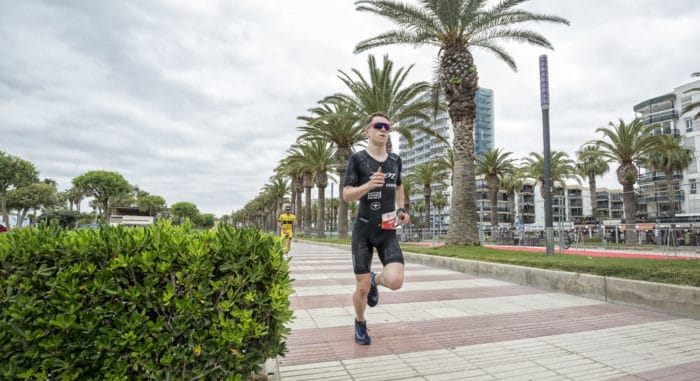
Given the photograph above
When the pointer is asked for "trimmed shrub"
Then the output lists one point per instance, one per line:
(161, 302)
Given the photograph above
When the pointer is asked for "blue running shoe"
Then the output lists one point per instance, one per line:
(361, 336)
(373, 295)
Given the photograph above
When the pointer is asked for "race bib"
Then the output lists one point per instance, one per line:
(389, 221)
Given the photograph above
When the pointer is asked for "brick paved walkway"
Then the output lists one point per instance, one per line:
(445, 325)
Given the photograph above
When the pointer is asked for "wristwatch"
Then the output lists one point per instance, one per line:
(401, 210)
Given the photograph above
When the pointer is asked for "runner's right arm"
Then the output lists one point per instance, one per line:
(351, 193)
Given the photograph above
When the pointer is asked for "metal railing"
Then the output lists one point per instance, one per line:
(667, 241)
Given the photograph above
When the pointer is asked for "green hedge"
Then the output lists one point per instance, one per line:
(162, 302)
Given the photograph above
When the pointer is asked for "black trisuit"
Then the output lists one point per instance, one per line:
(367, 232)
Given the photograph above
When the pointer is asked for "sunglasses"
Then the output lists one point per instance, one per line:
(380, 125)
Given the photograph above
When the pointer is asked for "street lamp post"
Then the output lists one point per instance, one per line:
(544, 102)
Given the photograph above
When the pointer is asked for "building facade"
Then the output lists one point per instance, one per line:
(666, 112)
(571, 204)
(427, 148)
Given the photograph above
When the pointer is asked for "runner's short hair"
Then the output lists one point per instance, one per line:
(372, 115)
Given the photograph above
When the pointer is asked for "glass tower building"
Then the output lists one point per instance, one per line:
(426, 148)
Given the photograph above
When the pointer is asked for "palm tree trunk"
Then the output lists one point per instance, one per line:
(307, 212)
(592, 187)
(321, 214)
(671, 196)
(459, 80)
(493, 200)
(298, 210)
(511, 206)
(342, 157)
(630, 212)
(426, 202)
(308, 182)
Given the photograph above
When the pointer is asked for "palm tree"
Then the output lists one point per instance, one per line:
(292, 167)
(318, 156)
(592, 163)
(562, 168)
(440, 202)
(408, 190)
(419, 209)
(512, 182)
(626, 144)
(669, 156)
(455, 27)
(384, 91)
(278, 188)
(297, 157)
(427, 175)
(339, 124)
(695, 105)
(494, 164)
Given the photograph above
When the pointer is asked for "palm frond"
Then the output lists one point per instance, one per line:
(499, 52)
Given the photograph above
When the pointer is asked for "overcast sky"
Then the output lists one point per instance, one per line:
(197, 100)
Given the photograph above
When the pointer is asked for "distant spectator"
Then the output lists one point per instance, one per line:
(2, 228)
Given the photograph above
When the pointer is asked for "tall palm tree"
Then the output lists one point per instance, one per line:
(562, 168)
(294, 170)
(385, 91)
(455, 27)
(278, 188)
(339, 124)
(297, 156)
(318, 155)
(669, 156)
(591, 163)
(695, 105)
(494, 164)
(627, 143)
(428, 174)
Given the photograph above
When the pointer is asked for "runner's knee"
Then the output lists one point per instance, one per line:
(362, 286)
(393, 281)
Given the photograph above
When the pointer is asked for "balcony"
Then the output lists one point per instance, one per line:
(663, 199)
(653, 177)
(660, 117)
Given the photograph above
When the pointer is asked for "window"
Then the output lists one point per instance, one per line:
(693, 186)
(688, 124)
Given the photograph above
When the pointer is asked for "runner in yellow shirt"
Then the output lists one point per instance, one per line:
(286, 223)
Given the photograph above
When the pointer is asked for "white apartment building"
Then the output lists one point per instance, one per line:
(666, 112)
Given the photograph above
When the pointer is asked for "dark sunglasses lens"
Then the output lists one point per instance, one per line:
(381, 125)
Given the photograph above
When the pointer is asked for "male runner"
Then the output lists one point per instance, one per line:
(374, 177)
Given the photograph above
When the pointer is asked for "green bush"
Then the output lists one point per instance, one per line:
(162, 302)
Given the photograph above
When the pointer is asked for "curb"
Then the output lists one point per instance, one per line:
(682, 301)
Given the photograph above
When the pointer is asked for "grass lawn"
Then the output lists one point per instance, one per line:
(675, 271)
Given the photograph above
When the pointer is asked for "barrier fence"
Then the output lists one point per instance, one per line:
(664, 239)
